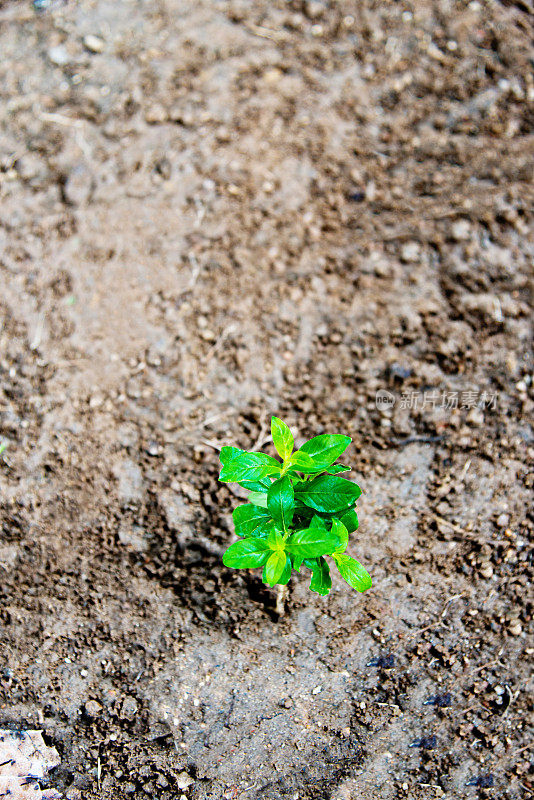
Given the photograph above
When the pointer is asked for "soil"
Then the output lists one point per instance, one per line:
(217, 210)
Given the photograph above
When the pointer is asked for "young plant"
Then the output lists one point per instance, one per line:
(299, 510)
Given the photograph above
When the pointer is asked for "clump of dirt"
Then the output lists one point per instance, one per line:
(216, 211)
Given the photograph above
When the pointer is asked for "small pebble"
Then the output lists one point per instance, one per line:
(410, 252)
(93, 43)
(184, 780)
(461, 230)
(370, 192)
(486, 570)
(314, 9)
(155, 114)
(58, 55)
(128, 708)
(92, 708)
(273, 75)
(515, 628)
(475, 417)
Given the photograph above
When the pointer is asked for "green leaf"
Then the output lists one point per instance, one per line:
(328, 493)
(326, 448)
(342, 533)
(281, 502)
(353, 572)
(248, 467)
(256, 486)
(249, 520)
(350, 521)
(321, 582)
(302, 462)
(336, 469)
(286, 574)
(258, 499)
(229, 453)
(318, 522)
(312, 542)
(276, 540)
(275, 567)
(247, 554)
(282, 438)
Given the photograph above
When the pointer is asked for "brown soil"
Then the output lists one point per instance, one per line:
(219, 210)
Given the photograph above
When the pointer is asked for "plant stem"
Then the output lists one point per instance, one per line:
(281, 597)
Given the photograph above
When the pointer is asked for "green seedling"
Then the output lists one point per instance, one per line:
(299, 510)
(2, 447)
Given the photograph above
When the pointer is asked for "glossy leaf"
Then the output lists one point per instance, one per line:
(302, 462)
(353, 572)
(297, 563)
(326, 449)
(328, 493)
(257, 486)
(311, 543)
(318, 522)
(276, 540)
(258, 499)
(275, 567)
(229, 453)
(250, 520)
(342, 533)
(248, 467)
(247, 554)
(286, 574)
(337, 469)
(350, 521)
(321, 582)
(281, 502)
(282, 438)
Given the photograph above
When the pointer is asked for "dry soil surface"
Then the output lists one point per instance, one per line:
(215, 210)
